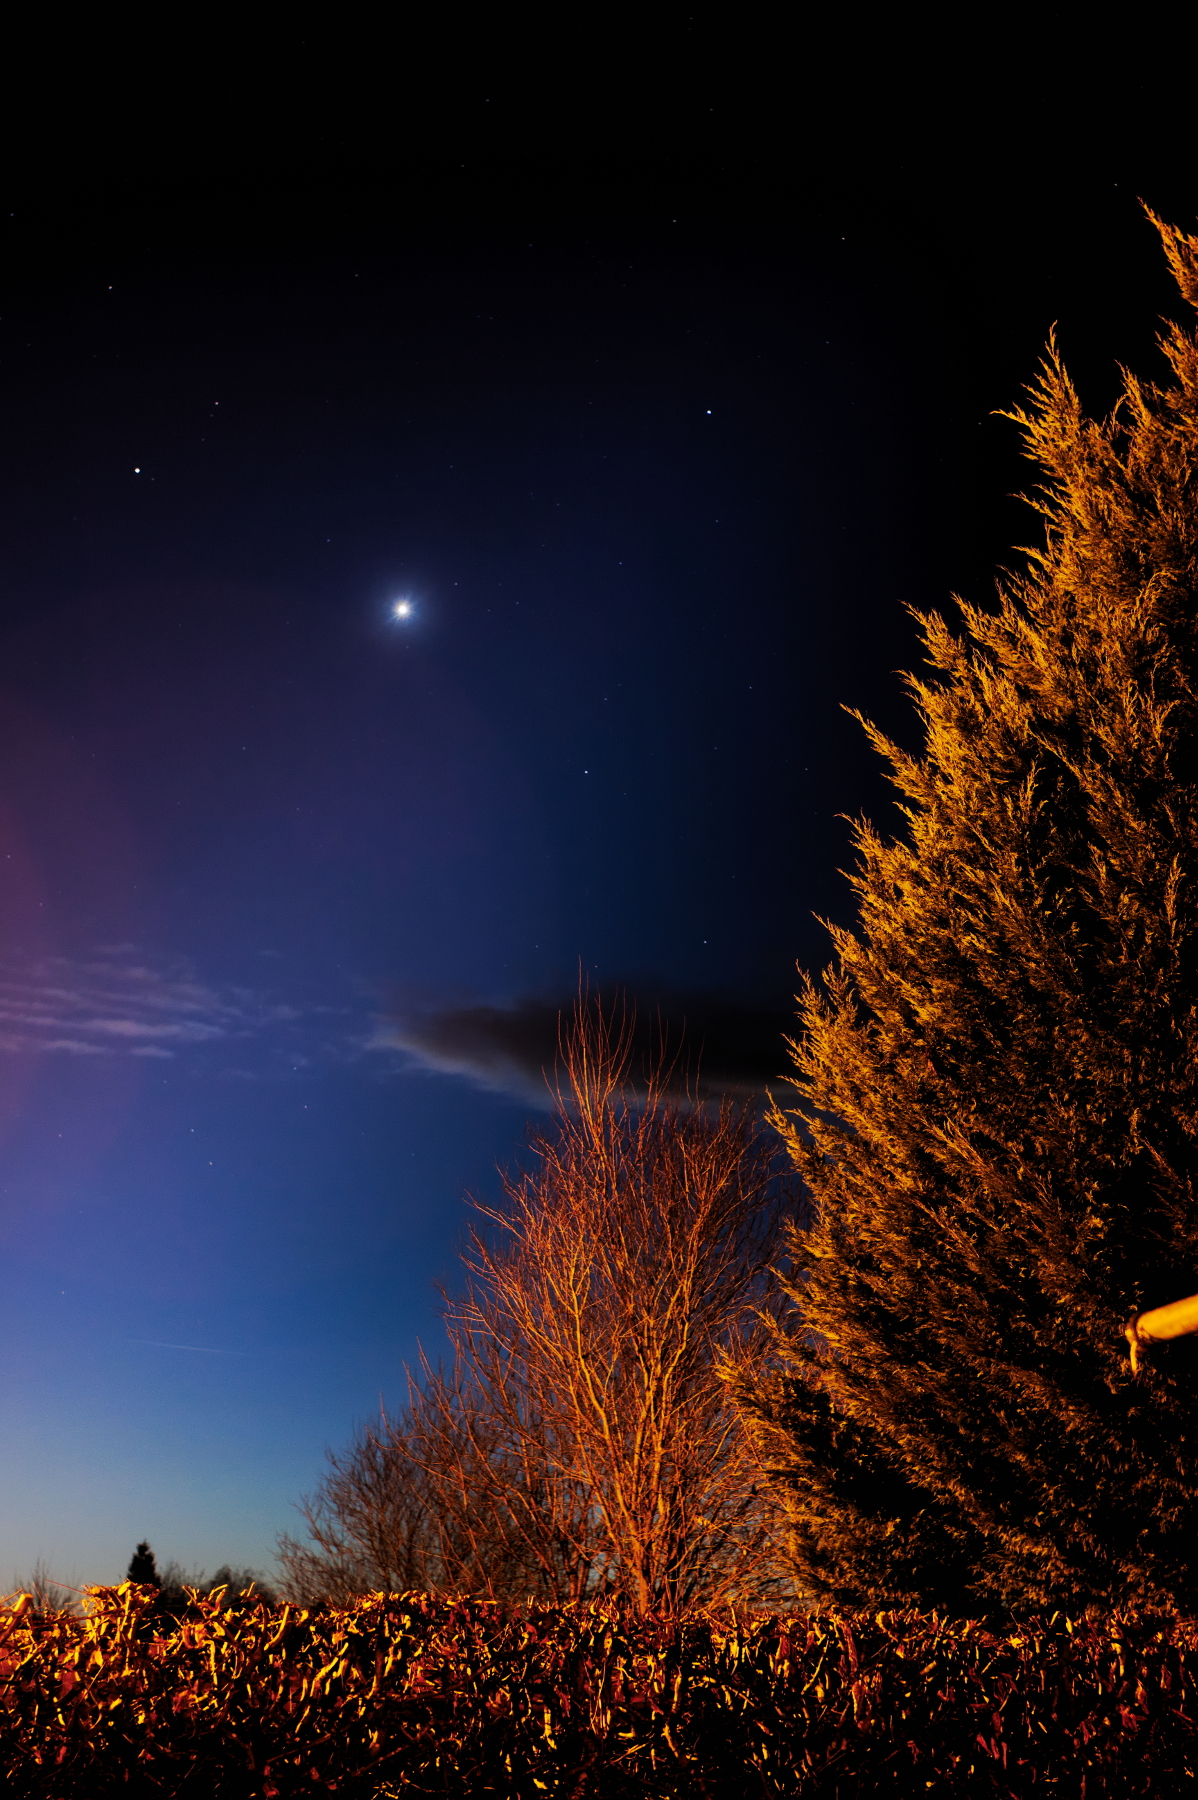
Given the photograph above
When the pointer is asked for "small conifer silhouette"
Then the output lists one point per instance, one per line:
(999, 1129)
(143, 1567)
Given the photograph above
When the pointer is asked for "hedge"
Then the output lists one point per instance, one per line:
(410, 1694)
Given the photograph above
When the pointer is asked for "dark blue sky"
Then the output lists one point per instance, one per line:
(658, 433)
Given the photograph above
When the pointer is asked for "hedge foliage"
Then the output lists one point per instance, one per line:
(406, 1694)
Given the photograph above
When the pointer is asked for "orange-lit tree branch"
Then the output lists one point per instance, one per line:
(624, 1263)
(583, 1440)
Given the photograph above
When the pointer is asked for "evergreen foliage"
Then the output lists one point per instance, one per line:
(143, 1567)
(1000, 1074)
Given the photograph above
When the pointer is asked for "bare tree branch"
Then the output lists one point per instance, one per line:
(585, 1439)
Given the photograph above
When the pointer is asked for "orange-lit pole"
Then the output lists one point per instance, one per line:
(1177, 1319)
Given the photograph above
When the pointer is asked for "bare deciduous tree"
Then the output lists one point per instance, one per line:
(47, 1594)
(603, 1294)
(585, 1439)
(369, 1524)
(437, 1497)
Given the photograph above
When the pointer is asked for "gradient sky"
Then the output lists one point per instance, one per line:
(657, 434)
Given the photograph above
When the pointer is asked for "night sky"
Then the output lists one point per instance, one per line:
(656, 425)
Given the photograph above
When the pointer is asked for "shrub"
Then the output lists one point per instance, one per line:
(404, 1694)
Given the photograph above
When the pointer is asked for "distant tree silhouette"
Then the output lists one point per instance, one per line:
(177, 1588)
(48, 1595)
(240, 1586)
(999, 1130)
(143, 1567)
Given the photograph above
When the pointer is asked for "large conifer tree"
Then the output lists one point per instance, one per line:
(1000, 1124)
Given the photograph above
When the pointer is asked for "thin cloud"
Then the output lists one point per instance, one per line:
(120, 1003)
(115, 1003)
(720, 1043)
(200, 1349)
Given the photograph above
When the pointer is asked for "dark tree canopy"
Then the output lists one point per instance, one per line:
(999, 1128)
(143, 1568)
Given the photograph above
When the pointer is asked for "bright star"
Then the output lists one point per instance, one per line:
(402, 609)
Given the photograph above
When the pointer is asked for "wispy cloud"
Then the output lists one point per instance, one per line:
(118, 1003)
